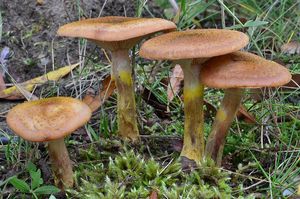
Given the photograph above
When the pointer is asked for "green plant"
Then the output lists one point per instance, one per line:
(129, 175)
(36, 187)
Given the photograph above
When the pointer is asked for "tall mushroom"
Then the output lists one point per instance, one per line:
(190, 49)
(234, 72)
(119, 35)
(50, 120)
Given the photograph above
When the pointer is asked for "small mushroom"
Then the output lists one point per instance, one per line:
(50, 120)
(119, 35)
(234, 72)
(190, 49)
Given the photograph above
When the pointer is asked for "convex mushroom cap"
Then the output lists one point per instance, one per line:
(48, 119)
(115, 28)
(200, 43)
(243, 70)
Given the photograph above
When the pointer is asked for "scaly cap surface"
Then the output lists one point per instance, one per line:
(200, 43)
(243, 70)
(115, 28)
(48, 119)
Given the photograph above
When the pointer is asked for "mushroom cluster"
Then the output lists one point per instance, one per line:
(208, 57)
(190, 49)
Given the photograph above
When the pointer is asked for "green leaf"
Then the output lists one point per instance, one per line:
(248, 24)
(36, 179)
(21, 185)
(255, 23)
(47, 189)
(52, 197)
(31, 167)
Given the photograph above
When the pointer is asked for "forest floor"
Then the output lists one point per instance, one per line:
(261, 159)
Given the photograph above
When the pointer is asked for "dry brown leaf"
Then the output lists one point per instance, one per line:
(175, 82)
(40, 2)
(160, 109)
(2, 83)
(242, 113)
(245, 116)
(291, 48)
(15, 92)
(294, 83)
(94, 102)
(153, 195)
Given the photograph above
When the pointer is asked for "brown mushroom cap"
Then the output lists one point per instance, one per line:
(48, 119)
(200, 43)
(243, 70)
(115, 28)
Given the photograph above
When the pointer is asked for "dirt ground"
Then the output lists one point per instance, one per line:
(29, 31)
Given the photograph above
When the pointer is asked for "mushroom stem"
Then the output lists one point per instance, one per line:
(193, 141)
(61, 164)
(122, 73)
(224, 118)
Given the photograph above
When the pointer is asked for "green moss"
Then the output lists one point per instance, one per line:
(129, 175)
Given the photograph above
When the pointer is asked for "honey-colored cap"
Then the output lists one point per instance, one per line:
(200, 43)
(48, 119)
(115, 28)
(243, 70)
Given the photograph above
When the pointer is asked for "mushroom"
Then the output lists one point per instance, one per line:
(234, 72)
(119, 35)
(190, 49)
(50, 120)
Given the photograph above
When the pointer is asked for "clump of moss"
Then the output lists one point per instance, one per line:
(129, 175)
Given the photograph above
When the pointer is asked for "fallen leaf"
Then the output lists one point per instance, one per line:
(2, 83)
(160, 109)
(15, 92)
(291, 48)
(108, 87)
(294, 83)
(153, 195)
(245, 116)
(175, 82)
(40, 2)
(242, 113)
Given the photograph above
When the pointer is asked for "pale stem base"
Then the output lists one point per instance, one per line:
(225, 116)
(61, 164)
(122, 73)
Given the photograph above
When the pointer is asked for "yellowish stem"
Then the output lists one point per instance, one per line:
(224, 118)
(193, 141)
(122, 73)
(61, 164)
